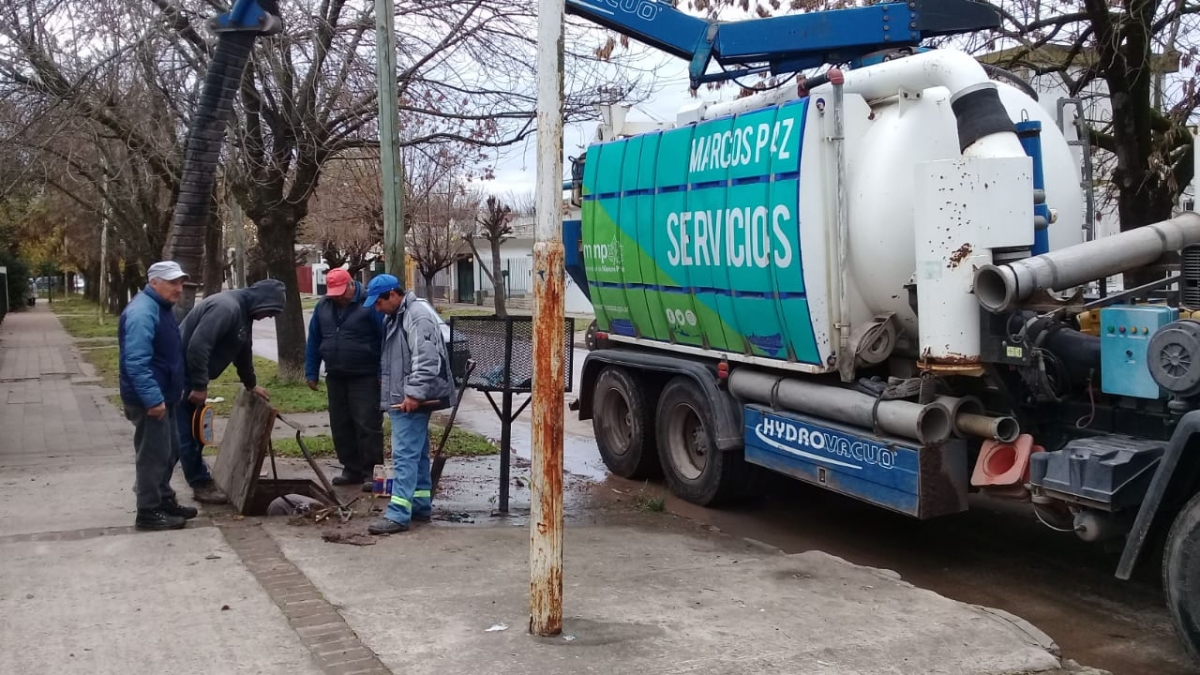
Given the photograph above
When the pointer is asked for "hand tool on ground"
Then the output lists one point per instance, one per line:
(439, 460)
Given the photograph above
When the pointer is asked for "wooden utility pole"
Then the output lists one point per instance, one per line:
(546, 522)
(389, 139)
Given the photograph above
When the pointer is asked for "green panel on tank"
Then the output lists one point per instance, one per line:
(693, 235)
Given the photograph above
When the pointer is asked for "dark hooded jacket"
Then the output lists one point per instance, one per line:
(217, 332)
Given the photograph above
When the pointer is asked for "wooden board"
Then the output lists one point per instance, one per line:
(243, 449)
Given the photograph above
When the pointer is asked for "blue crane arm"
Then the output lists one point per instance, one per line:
(784, 43)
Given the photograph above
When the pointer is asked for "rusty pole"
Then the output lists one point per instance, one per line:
(546, 523)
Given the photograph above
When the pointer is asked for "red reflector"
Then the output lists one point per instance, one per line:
(601, 336)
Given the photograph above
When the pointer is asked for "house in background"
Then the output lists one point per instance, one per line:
(516, 264)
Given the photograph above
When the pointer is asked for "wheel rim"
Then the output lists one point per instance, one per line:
(688, 442)
(618, 422)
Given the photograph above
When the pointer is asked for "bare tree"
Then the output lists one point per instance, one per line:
(309, 94)
(99, 96)
(494, 225)
(345, 219)
(438, 204)
(1140, 58)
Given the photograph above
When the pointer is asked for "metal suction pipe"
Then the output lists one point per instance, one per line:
(1003, 429)
(1001, 287)
(970, 419)
(930, 424)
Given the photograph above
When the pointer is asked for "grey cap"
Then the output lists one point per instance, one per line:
(167, 270)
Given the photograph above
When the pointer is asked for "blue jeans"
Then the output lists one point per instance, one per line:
(412, 486)
(191, 458)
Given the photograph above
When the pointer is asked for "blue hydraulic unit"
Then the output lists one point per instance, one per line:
(784, 44)
(1030, 133)
(1125, 332)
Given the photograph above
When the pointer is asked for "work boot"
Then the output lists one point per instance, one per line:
(347, 479)
(422, 517)
(174, 508)
(208, 493)
(157, 519)
(386, 526)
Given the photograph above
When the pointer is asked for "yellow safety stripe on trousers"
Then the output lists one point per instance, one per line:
(401, 501)
(422, 493)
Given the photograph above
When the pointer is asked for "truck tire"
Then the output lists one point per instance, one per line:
(695, 469)
(1181, 576)
(623, 421)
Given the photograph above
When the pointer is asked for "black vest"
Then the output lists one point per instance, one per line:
(350, 339)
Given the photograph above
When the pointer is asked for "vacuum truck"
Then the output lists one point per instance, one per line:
(874, 280)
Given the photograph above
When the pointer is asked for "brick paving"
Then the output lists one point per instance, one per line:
(334, 646)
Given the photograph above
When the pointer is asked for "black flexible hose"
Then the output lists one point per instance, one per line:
(1011, 78)
(205, 138)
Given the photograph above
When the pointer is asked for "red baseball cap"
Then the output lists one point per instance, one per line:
(336, 282)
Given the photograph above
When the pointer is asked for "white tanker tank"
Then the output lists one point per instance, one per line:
(732, 232)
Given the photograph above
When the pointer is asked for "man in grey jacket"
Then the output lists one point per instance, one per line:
(216, 333)
(416, 380)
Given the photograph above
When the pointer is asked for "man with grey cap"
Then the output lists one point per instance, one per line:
(216, 333)
(152, 382)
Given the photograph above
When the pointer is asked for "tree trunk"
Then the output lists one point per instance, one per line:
(498, 281)
(118, 295)
(92, 274)
(276, 234)
(130, 283)
(1142, 204)
(428, 285)
(214, 254)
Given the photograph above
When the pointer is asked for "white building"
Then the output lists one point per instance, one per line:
(467, 282)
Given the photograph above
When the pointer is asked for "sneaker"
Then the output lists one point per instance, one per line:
(157, 519)
(174, 508)
(208, 493)
(386, 526)
(346, 479)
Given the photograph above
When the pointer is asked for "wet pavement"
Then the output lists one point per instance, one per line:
(993, 555)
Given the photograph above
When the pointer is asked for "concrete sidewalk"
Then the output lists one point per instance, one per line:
(79, 589)
(645, 591)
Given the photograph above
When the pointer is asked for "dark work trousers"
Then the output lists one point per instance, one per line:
(156, 446)
(356, 423)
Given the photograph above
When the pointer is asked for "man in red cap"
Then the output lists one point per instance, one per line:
(348, 336)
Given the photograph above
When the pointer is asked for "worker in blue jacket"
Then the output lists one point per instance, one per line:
(152, 384)
(347, 336)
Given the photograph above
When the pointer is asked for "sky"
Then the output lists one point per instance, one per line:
(516, 168)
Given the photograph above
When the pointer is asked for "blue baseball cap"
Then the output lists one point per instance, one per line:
(380, 285)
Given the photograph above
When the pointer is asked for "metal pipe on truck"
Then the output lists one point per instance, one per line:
(1000, 287)
(970, 420)
(930, 424)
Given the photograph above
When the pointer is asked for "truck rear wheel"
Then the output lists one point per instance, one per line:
(1181, 576)
(695, 468)
(623, 420)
